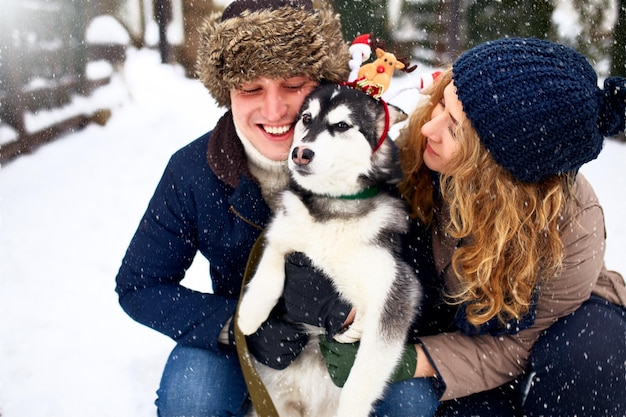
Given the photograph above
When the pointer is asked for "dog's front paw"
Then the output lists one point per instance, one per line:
(262, 292)
(351, 334)
(250, 316)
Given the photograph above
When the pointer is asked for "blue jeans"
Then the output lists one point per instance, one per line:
(578, 367)
(413, 398)
(202, 383)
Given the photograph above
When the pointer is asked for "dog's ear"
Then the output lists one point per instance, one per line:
(396, 114)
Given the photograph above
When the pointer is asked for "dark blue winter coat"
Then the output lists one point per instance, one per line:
(206, 201)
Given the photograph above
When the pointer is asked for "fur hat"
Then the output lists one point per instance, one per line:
(270, 38)
(536, 105)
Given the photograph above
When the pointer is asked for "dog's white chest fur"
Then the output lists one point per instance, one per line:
(343, 248)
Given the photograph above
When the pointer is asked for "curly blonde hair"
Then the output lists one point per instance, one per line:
(510, 233)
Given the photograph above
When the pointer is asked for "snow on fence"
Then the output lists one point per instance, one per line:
(45, 59)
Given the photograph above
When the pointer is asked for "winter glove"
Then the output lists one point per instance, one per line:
(340, 357)
(310, 296)
(277, 343)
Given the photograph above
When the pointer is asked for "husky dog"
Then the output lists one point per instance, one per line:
(338, 211)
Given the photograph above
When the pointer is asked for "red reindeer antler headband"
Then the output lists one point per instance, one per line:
(374, 78)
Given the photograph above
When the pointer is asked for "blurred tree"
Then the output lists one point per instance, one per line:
(162, 13)
(363, 16)
(432, 31)
(618, 49)
(194, 13)
(489, 19)
(131, 15)
(594, 39)
(75, 17)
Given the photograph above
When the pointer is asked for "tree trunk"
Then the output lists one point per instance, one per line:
(618, 49)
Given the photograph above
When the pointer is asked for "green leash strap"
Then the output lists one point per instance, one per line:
(261, 399)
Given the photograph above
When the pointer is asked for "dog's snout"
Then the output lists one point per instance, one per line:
(301, 155)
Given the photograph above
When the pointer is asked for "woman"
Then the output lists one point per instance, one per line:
(518, 234)
(520, 315)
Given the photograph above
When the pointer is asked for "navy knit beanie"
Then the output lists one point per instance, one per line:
(536, 105)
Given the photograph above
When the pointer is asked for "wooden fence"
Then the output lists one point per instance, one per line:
(43, 63)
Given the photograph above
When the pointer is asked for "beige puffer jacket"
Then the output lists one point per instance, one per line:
(470, 364)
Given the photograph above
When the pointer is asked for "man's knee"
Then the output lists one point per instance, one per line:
(198, 382)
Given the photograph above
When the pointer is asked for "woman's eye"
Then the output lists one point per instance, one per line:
(452, 130)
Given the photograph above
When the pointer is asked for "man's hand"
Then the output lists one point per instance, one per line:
(277, 343)
(311, 298)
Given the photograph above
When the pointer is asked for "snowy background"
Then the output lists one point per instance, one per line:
(67, 213)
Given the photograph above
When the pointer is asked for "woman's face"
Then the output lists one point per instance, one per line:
(439, 131)
(265, 111)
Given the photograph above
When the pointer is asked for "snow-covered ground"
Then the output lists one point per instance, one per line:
(68, 212)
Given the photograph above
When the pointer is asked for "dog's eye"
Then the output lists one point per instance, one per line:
(306, 119)
(341, 126)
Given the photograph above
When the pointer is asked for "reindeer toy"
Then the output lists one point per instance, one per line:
(375, 77)
(381, 70)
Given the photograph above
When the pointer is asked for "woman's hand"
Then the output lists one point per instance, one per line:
(340, 357)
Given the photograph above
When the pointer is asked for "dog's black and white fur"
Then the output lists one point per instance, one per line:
(351, 236)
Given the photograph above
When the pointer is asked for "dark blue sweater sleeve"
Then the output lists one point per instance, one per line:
(160, 252)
